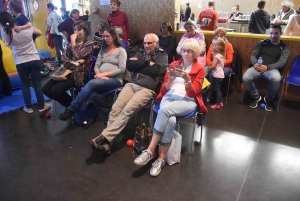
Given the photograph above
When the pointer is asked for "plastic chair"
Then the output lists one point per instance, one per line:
(294, 76)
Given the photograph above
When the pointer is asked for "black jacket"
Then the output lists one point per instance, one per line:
(259, 22)
(145, 75)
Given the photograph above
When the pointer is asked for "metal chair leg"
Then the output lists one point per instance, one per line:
(280, 94)
(229, 77)
(242, 93)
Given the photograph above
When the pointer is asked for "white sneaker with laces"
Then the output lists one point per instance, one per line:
(144, 158)
(46, 107)
(27, 110)
(156, 167)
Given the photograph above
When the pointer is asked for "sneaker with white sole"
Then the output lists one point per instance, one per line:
(254, 103)
(269, 105)
(46, 107)
(27, 110)
(144, 158)
(156, 167)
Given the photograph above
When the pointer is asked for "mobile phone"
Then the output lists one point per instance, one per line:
(175, 70)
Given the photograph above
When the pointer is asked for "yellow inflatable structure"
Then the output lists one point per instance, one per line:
(8, 59)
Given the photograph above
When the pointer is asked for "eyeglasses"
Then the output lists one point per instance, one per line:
(189, 51)
(149, 43)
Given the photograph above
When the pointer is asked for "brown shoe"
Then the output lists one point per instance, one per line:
(97, 141)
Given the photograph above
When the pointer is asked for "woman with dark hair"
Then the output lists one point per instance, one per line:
(98, 37)
(26, 58)
(66, 27)
(53, 21)
(109, 69)
(118, 18)
(167, 40)
(79, 50)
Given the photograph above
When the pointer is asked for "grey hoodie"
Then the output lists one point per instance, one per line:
(259, 22)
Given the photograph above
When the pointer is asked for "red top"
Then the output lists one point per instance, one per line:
(229, 56)
(197, 75)
(207, 19)
(119, 18)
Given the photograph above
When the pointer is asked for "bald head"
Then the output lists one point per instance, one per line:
(150, 42)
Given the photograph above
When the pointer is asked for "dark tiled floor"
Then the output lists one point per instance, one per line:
(245, 155)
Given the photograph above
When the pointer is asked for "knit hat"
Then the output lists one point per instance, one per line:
(189, 23)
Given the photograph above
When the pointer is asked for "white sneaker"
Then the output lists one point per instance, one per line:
(27, 110)
(46, 107)
(156, 167)
(144, 158)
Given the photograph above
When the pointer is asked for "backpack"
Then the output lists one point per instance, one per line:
(87, 115)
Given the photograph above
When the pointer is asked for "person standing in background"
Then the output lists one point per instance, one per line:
(259, 20)
(208, 18)
(53, 21)
(187, 13)
(118, 18)
(235, 13)
(284, 14)
(293, 26)
(66, 27)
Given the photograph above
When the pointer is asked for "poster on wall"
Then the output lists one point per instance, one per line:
(104, 2)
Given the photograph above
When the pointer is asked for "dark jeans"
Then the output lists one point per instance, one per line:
(32, 68)
(95, 85)
(217, 89)
(4, 77)
(57, 90)
(58, 45)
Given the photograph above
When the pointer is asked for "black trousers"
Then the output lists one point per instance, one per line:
(4, 77)
(57, 90)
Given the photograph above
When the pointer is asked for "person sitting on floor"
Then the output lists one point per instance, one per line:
(79, 50)
(274, 54)
(109, 69)
(180, 95)
(146, 69)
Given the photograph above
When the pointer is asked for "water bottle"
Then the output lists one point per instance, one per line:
(260, 61)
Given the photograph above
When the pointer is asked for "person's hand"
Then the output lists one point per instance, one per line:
(260, 69)
(151, 63)
(17, 29)
(96, 10)
(73, 37)
(184, 75)
(171, 77)
(278, 21)
(80, 61)
(104, 78)
(133, 58)
(65, 33)
(96, 47)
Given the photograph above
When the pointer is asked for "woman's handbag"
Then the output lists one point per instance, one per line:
(61, 74)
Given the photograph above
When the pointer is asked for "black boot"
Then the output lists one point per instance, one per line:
(66, 115)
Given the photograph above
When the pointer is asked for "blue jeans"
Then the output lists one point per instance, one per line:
(32, 68)
(170, 107)
(273, 76)
(96, 85)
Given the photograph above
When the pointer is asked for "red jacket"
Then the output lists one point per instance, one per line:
(197, 75)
